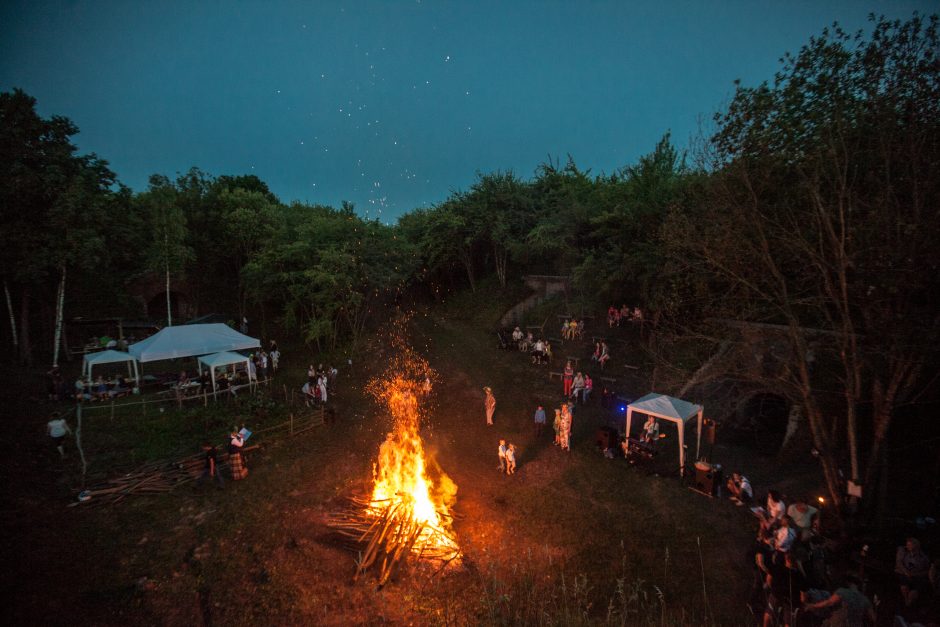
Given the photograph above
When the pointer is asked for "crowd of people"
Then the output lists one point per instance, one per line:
(794, 582)
(319, 385)
(616, 317)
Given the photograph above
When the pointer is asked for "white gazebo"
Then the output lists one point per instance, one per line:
(110, 357)
(221, 360)
(191, 340)
(672, 409)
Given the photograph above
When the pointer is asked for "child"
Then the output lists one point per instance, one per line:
(503, 449)
(511, 459)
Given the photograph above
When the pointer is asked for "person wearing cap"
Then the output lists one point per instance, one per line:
(489, 404)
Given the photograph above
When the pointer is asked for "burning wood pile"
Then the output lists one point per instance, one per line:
(408, 513)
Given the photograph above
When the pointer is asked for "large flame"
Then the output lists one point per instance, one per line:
(401, 477)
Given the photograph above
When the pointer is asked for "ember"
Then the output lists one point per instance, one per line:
(408, 513)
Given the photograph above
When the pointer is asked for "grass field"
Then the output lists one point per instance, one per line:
(572, 538)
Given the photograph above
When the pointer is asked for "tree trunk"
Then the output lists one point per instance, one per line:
(169, 310)
(500, 258)
(26, 348)
(59, 310)
(6, 291)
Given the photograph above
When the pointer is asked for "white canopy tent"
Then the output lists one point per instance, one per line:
(673, 409)
(221, 360)
(109, 357)
(191, 340)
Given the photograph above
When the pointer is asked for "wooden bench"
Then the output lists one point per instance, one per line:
(552, 375)
(630, 367)
(574, 360)
(609, 380)
(555, 340)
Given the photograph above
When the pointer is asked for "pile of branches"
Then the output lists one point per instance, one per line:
(151, 478)
(385, 534)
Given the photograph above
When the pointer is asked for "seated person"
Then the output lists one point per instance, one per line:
(739, 487)
(565, 329)
(776, 509)
(183, 379)
(528, 342)
(120, 386)
(604, 356)
(912, 569)
(580, 330)
(517, 336)
(651, 430)
(805, 520)
(577, 388)
(625, 313)
(547, 351)
(613, 317)
(311, 393)
(784, 536)
(637, 314)
(101, 389)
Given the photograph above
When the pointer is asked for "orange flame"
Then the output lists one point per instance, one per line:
(401, 472)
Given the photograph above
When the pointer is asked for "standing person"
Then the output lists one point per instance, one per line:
(556, 425)
(502, 455)
(57, 429)
(564, 430)
(511, 459)
(263, 365)
(539, 420)
(321, 381)
(604, 356)
(236, 461)
(912, 569)
(311, 375)
(567, 379)
(211, 468)
(275, 356)
(489, 404)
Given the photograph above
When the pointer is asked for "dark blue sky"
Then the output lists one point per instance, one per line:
(392, 105)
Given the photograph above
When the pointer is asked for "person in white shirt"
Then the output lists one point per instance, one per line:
(57, 429)
(511, 459)
(502, 455)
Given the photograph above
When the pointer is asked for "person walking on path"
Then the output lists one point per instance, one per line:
(502, 455)
(539, 420)
(489, 404)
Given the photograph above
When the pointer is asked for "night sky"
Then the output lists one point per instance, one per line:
(393, 105)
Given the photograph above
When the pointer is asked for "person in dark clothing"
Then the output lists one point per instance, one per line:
(787, 588)
(211, 469)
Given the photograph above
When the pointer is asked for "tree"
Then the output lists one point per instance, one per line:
(168, 252)
(52, 202)
(822, 216)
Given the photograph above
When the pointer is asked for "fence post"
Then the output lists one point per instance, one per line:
(292, 423)
(285, 393)
(112, 409)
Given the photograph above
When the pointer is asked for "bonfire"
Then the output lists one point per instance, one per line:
(408, 513)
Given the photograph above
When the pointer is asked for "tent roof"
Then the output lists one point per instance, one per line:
(666, 407)
(191, 340)
(226, 358)
(108, 357)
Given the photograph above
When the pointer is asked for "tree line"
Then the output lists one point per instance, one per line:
(812, 208)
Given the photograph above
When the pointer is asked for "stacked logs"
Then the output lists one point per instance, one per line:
(385, 534)
(152, 478)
